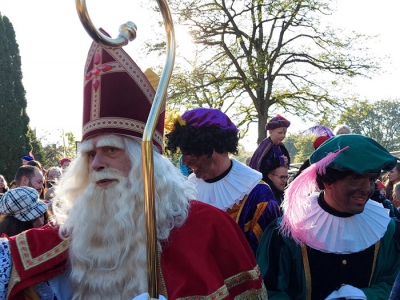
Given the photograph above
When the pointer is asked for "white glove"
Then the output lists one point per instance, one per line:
(349, 292)
(146, 296)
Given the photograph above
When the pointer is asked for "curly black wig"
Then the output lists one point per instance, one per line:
(201, 140)
(331, 176)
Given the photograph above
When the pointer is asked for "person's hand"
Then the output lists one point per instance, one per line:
(285, 159)
(347, 292)
(146, 296)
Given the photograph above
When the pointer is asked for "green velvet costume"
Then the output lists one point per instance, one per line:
(282, 266)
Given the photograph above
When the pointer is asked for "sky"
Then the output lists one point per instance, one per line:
(53, 46)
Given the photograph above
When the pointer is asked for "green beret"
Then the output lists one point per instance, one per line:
(363, 155)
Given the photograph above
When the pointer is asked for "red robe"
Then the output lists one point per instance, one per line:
(206, 258)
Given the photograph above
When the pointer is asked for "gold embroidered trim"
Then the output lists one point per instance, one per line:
(162, 288)
(374, 262)
(258, 232)
(14, 279)
(307, 271)
(26, 256)
(241, 208)
(260, 294)
(231, 282)
(126, 124)
(257, 214)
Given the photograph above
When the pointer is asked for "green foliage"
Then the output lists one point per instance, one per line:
(37, 148)
(14, 120)
(379, 120)
(65, 148)
(290, 145)
(304, 146)
(257, 57)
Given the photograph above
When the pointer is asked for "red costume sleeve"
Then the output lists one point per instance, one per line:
(38, 255)
(209, 257)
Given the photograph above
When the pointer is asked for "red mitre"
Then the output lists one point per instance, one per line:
(38, 255)
(117, 96)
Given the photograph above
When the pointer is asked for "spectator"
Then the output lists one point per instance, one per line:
(53, 175)
(21, 210)
(277, 180)
(3, 185)
(25, 159)
(342, 129)
(185, 170)
(393, 177)
(396, 192)
(30, 176)
(64, 163)
(379, 197)
(381, 188)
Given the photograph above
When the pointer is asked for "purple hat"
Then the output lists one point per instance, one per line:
(277, 122)
(208, 117)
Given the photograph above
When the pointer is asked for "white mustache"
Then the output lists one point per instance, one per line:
(108, 173)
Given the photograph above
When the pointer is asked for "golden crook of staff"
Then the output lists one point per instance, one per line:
(128, 33)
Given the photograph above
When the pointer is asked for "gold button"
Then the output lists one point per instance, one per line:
(344, 262)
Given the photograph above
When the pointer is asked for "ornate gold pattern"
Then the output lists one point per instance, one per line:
(374, 262)
(307, 271)
(229, 283)
(162, 288)
(241, 205)
(26, 256)
(260, 294)
(127, 124)
(14, 279)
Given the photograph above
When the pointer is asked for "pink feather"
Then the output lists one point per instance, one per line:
(296, 203)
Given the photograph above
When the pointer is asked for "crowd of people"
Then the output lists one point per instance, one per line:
(225, 230)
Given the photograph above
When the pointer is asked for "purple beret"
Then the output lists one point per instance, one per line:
(277, 122)
(208, 117)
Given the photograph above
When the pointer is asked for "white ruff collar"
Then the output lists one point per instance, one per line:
(228, 191)
(333, 234)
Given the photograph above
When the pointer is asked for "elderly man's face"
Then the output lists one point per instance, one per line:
(350, 194)
(108, 151)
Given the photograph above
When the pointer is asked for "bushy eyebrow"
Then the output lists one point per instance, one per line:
(111, 141)
(86, 146)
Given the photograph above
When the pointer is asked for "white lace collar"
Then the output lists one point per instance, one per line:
(229, 190)
(329, 233)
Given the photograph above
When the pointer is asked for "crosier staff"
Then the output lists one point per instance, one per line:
(127, 33)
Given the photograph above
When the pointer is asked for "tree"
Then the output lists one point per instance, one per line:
(272, 53)
(37, 148)
(64, 148)
(14, 120)
(379, 120)
(305, 148)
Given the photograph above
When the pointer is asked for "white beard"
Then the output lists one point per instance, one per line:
(108, 248)
(107, 225)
